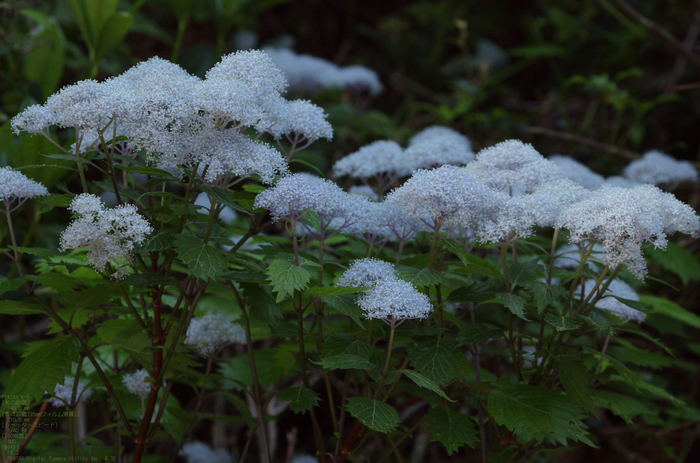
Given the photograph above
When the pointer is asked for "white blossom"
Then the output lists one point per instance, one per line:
(63, 393)
(659, 168)
(211, 332)
(379, 158)
(577, 172)
(136, 383)
(436, 146)
(303, 118)
(367, 272)
(199, 452)
(393, 299)
(364, 190)
(15, 185)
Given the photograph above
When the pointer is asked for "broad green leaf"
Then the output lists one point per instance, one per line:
(286, 278)
(548, 295)
(374, 414)
(678, 260)
(478, 334)
(242, 406)
(87, 297)
(574, 377)
(652, 389)
(41, 370)
(91, 16)
(426, 383)
(419, 276)
(338, 344)
(346, 305)
(20, 308)
(451, 428)
(437, 358)
(44, 63)
(537, 413)
(346, 362)
(622, 405)
(325, 291)
(476, 292)
(269, 365)
(203, 260)
(5, 285)
(522, 274)
(671, 309)
(515, 304)
(159, 241)
(146, 279)
(39, 252)
(598, 323)
(301, 399)
(564, 323)
(482, 267)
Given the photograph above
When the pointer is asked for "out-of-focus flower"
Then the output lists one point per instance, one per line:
(211, 332)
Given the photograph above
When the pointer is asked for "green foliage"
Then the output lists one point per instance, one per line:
(301, 399)
(374, 414)
(451, 428)
(203, 260)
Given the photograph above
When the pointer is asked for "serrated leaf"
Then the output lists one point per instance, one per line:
(41, 370)
(346, 305)
(537, 413)
(286, 278)
(159, 241)
(598, 324)
(451, 428)
(325, 291)
(472, 263)
(419, 276)
(346, 362)
(478, 334)
(338, 344)
(671, 309)
(301, 399)
(515, 304)
(476, 292)
(203, 260)
(622, 405)
(426, 383)
(39, 252)
(564, 323)
(523, 273)
(548, 295)
(20, 308)
(438, 359)
(574, 377)
(86, 297)
(145, 279)
(374, 414)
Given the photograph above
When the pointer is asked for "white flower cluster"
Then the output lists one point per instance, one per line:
(108, 233)
(659, 168)
(622, 290)
(181, 120)
(16, 186)
(211, 332)
(199, 452)
(577, 172)
(391, 299)
(385, 159)
(310, 73)
(136, 383)
(64, 392)
(622, 219)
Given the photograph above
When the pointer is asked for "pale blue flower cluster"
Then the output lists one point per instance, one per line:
(367, 272)
(577, 172)
(310, 73)
(199, 452)
(213, 331)
(63, 393)
(15, 186)
(658, 168)
(136, 383)
(108, 233)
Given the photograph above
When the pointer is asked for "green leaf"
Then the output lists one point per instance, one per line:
(478, 334)
(203, 260)
(374, 414)
(522, 274)
(39, 252)
(598, 323)
(301, 399)
(451, 428)
(622, 405)
(269, 364)
(548, 295)
(437, 358)
(515, 304)
(113, 33)
(222, 196)
(476, 292)
(159, 241)
(87, 297)
(286, 278)
(480, 266)
(44, 62)
(346, 362)
(41, 370)
(574, 377)
(426, 383)
(20, 308)
(537, 413)
(419, 276)
(325, 291)
(678, 260)
(564, 323)
(671, 309)
(339, 344)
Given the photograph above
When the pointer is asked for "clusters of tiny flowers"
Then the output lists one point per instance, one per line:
(513, 167)
(379, 158)
(659, 168)
(64, 392)
(211, 332)
(577, 172)
(620, 182)
(622, 219)
(393, 299)
(136, 383)
(199, 452)
(108, 233)
(310, 73)
(293, 196)
(622, 290)
(16, 186)
(367, 272)
(364, 190)
(304, 118)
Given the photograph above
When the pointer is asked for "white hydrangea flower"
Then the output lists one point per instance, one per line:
(64, 392)
(513, 167)
(383, 158)
(367, 272)
(211, 332)
(620, 182)
(136, 383)
(15, 186)
(393, 300)
(577, 172)
(301, 117)
(622, 290)
(623, 219)
(364, 190)
(436, 146)
(34, 119)
(199, 452)
(108, 233)
(659, 168)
